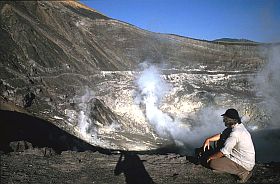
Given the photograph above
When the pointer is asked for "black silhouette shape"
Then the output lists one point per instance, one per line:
(133, 169)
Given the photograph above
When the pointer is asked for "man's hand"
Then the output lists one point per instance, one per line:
(210, 139)
(206, 144)
(208, 160)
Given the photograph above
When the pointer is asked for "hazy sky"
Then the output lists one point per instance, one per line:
(257, 20)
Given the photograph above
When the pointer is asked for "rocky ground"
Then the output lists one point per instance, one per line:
(44, 166)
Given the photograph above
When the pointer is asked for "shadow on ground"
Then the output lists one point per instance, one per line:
(15, 126)
(133, 168)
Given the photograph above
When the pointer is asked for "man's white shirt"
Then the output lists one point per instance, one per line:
(239, 147)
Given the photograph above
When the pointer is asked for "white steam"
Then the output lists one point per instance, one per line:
(267, 84)
(152, 90)
(84, 121)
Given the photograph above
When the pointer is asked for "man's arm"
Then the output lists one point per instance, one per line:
(209, 140)
(231, 141)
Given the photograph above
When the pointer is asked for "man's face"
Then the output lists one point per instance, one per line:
(229, 123)
(226, 121)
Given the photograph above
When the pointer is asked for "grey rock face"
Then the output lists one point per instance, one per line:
(76, 68)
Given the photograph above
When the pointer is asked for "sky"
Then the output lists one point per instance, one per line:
(256, 20)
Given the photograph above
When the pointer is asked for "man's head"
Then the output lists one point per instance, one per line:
(231, 117)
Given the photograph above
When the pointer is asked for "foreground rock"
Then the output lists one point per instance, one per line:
(31, 166)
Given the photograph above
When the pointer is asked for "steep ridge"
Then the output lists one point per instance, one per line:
(76, 35)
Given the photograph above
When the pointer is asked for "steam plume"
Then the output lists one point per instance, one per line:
(152, 89)
(268, 85)
(84, 121)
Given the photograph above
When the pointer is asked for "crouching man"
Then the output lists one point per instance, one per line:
(237, 156)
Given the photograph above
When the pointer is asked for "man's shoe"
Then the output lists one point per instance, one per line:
(244, 177)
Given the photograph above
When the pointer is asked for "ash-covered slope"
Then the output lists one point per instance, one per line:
(66, 36)
(76, 68)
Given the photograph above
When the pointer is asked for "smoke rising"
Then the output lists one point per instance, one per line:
(152, 89)
(84, 121)
(267, 85)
